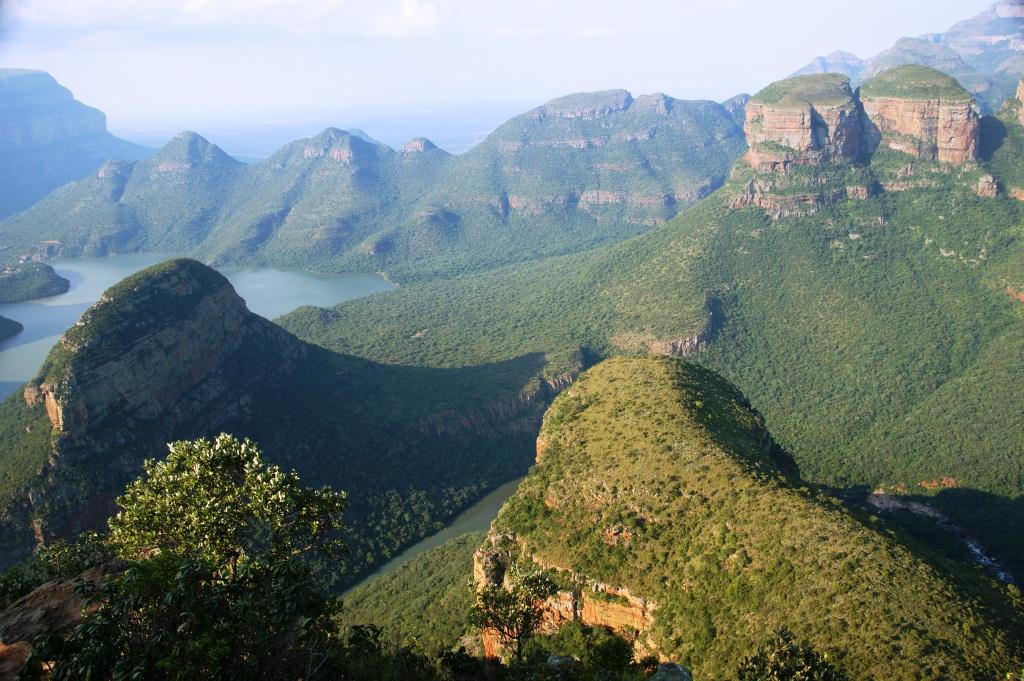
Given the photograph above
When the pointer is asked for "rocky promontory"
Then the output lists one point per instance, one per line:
(804, 121)
(169, 353)
(922, 112)
(813, 140)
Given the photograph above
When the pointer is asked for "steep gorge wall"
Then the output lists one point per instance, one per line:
(929, 129)
(167, 358)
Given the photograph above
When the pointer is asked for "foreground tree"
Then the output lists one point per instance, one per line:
(783, 659)
(515, 613)
(221, 579)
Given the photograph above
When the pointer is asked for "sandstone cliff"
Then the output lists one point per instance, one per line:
(1020, 98)
(923, 113)
(812, 141)
(169, 353)
(804, 121)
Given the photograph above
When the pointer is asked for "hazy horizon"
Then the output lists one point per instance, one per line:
(238, 69)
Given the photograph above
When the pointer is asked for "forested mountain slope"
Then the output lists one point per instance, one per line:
(867, 303)
(47, 138)
(659, 499)
(172, 353)
(578, 172)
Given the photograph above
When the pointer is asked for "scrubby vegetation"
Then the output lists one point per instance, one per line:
(915, 82)
(877, 336)
(823, 88)
(670, 461)
(30, 280)
(424, 603)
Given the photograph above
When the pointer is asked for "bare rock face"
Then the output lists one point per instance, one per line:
(987, 187)
(169, 353)
(933, 129)
(1020, 98)
(804, 121)
(921, 112)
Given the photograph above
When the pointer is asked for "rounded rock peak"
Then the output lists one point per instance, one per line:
(418, 145)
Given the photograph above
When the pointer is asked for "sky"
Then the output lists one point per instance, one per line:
(154, 65)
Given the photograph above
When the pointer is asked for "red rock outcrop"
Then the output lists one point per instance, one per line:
(817, 123)
(1020, 98)
(987, 187)
(53, 609)
(931, 129)
(598, 605)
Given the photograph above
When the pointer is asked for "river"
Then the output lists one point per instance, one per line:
(267, 291)
(476, 518)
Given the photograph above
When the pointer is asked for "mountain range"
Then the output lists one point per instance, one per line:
(864, 298)
(985, 53)
(48, 138)
(578, 172)
(793, 404)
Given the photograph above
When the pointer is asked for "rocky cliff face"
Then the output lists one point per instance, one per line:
(168, 353)
(815, 123)
(35, 110)
(921, 112)
(1020, 98)
(933, 130)
(805, 121)
(47, 139)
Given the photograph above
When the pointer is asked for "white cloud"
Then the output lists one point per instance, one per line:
(412, 18)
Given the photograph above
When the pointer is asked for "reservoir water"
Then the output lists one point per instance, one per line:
(268, 292)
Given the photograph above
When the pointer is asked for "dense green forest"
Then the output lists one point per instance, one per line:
(657, 477)
(29, 281)
(581, 171)
(877, 336)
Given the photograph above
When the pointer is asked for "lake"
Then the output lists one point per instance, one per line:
(267, 291)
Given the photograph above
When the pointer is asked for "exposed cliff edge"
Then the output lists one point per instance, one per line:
(168, 353)
(923, 113)
(664, 510)
(804, 121)
(813, 141)
(48, 138)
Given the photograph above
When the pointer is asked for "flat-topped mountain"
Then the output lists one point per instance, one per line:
(580, 171)
(666, 511)
(984, 53)
(922, 112)
(818, 119)
(48, 138)
(808, 120)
